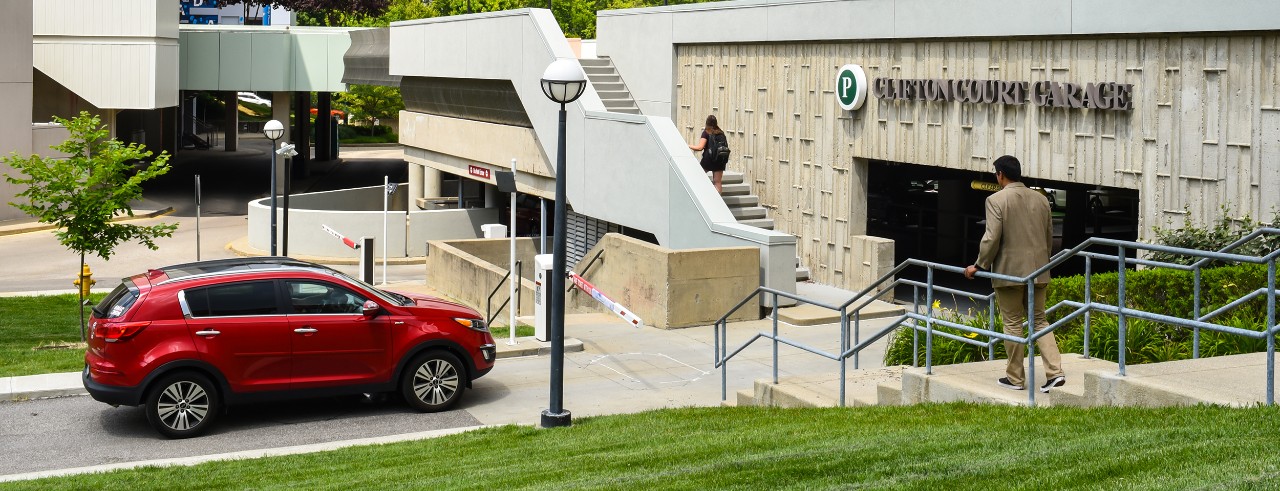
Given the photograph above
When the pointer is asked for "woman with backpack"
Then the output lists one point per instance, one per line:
(715, 150)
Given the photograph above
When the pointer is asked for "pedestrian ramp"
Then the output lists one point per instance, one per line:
(1235, 380)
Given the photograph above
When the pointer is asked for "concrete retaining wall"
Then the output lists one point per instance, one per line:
(667, 288)
(357, 213)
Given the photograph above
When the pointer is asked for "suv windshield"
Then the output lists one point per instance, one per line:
(391, 297)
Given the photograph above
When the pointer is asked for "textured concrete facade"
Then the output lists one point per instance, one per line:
(1203, 134)
(15, 83)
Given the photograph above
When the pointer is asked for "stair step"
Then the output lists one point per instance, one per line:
(606, 79)
(609, 87)
(731, 177)
(598, 70)
(594, 62)
(741, 201)
(613, 94)
(748, 213)
(734, 189)
(764, 223)
(802, 274)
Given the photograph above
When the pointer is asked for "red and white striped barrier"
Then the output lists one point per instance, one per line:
(621, 311)
(350, 243)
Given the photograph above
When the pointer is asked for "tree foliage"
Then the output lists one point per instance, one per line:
(82, 193)
(370, 102)
(1215, 237)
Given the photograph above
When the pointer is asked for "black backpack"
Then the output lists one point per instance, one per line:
(718, 148)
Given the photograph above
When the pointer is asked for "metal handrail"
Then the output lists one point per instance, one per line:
(489, 313)
(924, 323)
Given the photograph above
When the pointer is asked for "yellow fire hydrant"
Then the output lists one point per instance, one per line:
(85, 281)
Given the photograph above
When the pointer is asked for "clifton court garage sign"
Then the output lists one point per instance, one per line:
(1104, 95)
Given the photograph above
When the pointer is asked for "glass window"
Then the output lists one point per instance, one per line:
(116, 303)
(248, 298)
(316, 297)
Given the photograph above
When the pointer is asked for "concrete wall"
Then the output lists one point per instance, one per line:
(454, 269)
(357, 213)
(641, 42)
(666, 288)
(1204, 132)
(45, 135)
(118, 54)
(15, 84)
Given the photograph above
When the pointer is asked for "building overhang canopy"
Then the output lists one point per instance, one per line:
(262, 58)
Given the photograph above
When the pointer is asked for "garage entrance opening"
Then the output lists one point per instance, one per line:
(937, 214)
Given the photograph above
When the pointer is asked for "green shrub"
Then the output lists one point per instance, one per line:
(1216, 237)
(945, 351)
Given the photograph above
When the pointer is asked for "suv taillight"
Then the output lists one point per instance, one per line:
(119, 331)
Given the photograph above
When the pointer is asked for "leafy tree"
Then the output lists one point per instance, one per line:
(370, 102)
(82, 193)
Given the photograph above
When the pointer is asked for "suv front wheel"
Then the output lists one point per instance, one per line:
(182, 405)
(433, 382)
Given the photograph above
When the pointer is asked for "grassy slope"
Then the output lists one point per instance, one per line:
(954, 446)
(30, 322)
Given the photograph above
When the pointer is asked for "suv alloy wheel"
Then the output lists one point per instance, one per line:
(182, 405)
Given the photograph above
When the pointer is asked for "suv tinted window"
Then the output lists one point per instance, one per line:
(248, 298)
(316, 297)
(116, 303)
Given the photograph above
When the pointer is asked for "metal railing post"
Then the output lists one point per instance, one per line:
(720, 358)
(1195, 331)
(928, 337)
(775, 339)
(1030, 383)
(1120, 305)
(991, 326)
(915, 333)
(1088, 301)
(1271, 332)
(844, 346)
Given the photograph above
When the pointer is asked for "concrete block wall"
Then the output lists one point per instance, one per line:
(454, 271)
(667, 288)
(670, 288)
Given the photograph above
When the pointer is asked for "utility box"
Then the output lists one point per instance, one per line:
(494, 230)
(541, 290)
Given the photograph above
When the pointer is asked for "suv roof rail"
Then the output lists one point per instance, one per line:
(202, 268)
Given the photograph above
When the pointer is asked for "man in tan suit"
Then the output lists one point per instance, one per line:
(1017, 241)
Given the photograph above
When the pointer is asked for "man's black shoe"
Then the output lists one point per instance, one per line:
(1004, 382)
(1058, 381)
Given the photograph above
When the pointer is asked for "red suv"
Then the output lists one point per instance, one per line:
(188, 340)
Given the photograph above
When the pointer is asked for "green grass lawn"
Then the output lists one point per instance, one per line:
(951, 446)
(35, 333)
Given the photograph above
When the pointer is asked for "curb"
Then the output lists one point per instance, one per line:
(27, 227)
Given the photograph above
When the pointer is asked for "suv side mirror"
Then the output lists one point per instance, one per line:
(370, 308)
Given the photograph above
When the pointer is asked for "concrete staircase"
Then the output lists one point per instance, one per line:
(746, 208)
(1237, 380)
(609, 86)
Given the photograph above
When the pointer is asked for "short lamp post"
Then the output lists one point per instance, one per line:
(273, 130)
(562, 82)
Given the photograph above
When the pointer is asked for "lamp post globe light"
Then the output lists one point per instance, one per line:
(562, 82)
(273, 131)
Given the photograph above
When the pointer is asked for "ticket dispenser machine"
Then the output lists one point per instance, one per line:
(541, 295)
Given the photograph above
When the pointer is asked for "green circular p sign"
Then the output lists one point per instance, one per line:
(851, 87)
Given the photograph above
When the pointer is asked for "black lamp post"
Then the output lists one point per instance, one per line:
(562, 82)
(273, 130)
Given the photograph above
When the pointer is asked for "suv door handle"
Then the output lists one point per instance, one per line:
(208, 332)
(305, 330)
